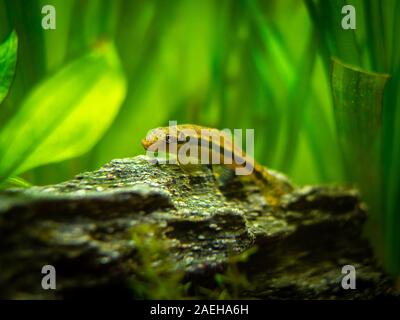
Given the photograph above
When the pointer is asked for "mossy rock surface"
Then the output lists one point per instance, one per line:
(87, 228)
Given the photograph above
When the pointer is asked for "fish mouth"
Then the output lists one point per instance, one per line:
(145, 144)
(150, 144)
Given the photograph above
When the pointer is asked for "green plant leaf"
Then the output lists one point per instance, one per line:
(66, 114)
(8, 60)
(358, 100)
(15, 182)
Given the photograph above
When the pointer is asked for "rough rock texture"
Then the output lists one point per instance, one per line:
(84, 227)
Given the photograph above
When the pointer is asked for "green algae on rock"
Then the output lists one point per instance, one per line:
(84, 227)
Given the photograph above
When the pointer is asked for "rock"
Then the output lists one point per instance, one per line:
(131, 229)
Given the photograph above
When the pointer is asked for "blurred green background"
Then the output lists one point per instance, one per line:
(226, 64)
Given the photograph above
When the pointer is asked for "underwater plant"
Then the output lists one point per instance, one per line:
(366, 95)
(57, 120)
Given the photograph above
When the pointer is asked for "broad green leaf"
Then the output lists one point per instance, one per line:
(8, 60)
(66, 114)
(358, 99)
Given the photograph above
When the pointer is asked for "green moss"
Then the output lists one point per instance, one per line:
(156, 277)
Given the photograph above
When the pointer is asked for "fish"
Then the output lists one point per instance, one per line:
(199, 145)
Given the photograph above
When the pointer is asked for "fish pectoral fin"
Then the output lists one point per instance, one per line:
(223, 175)
(192, 169)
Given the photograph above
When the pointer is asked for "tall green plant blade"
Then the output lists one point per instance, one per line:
(358, 100)
(65, 115)
(8, 60)
(15, 182)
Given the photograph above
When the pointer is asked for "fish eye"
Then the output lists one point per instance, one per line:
(169, 138)
(182, 137)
